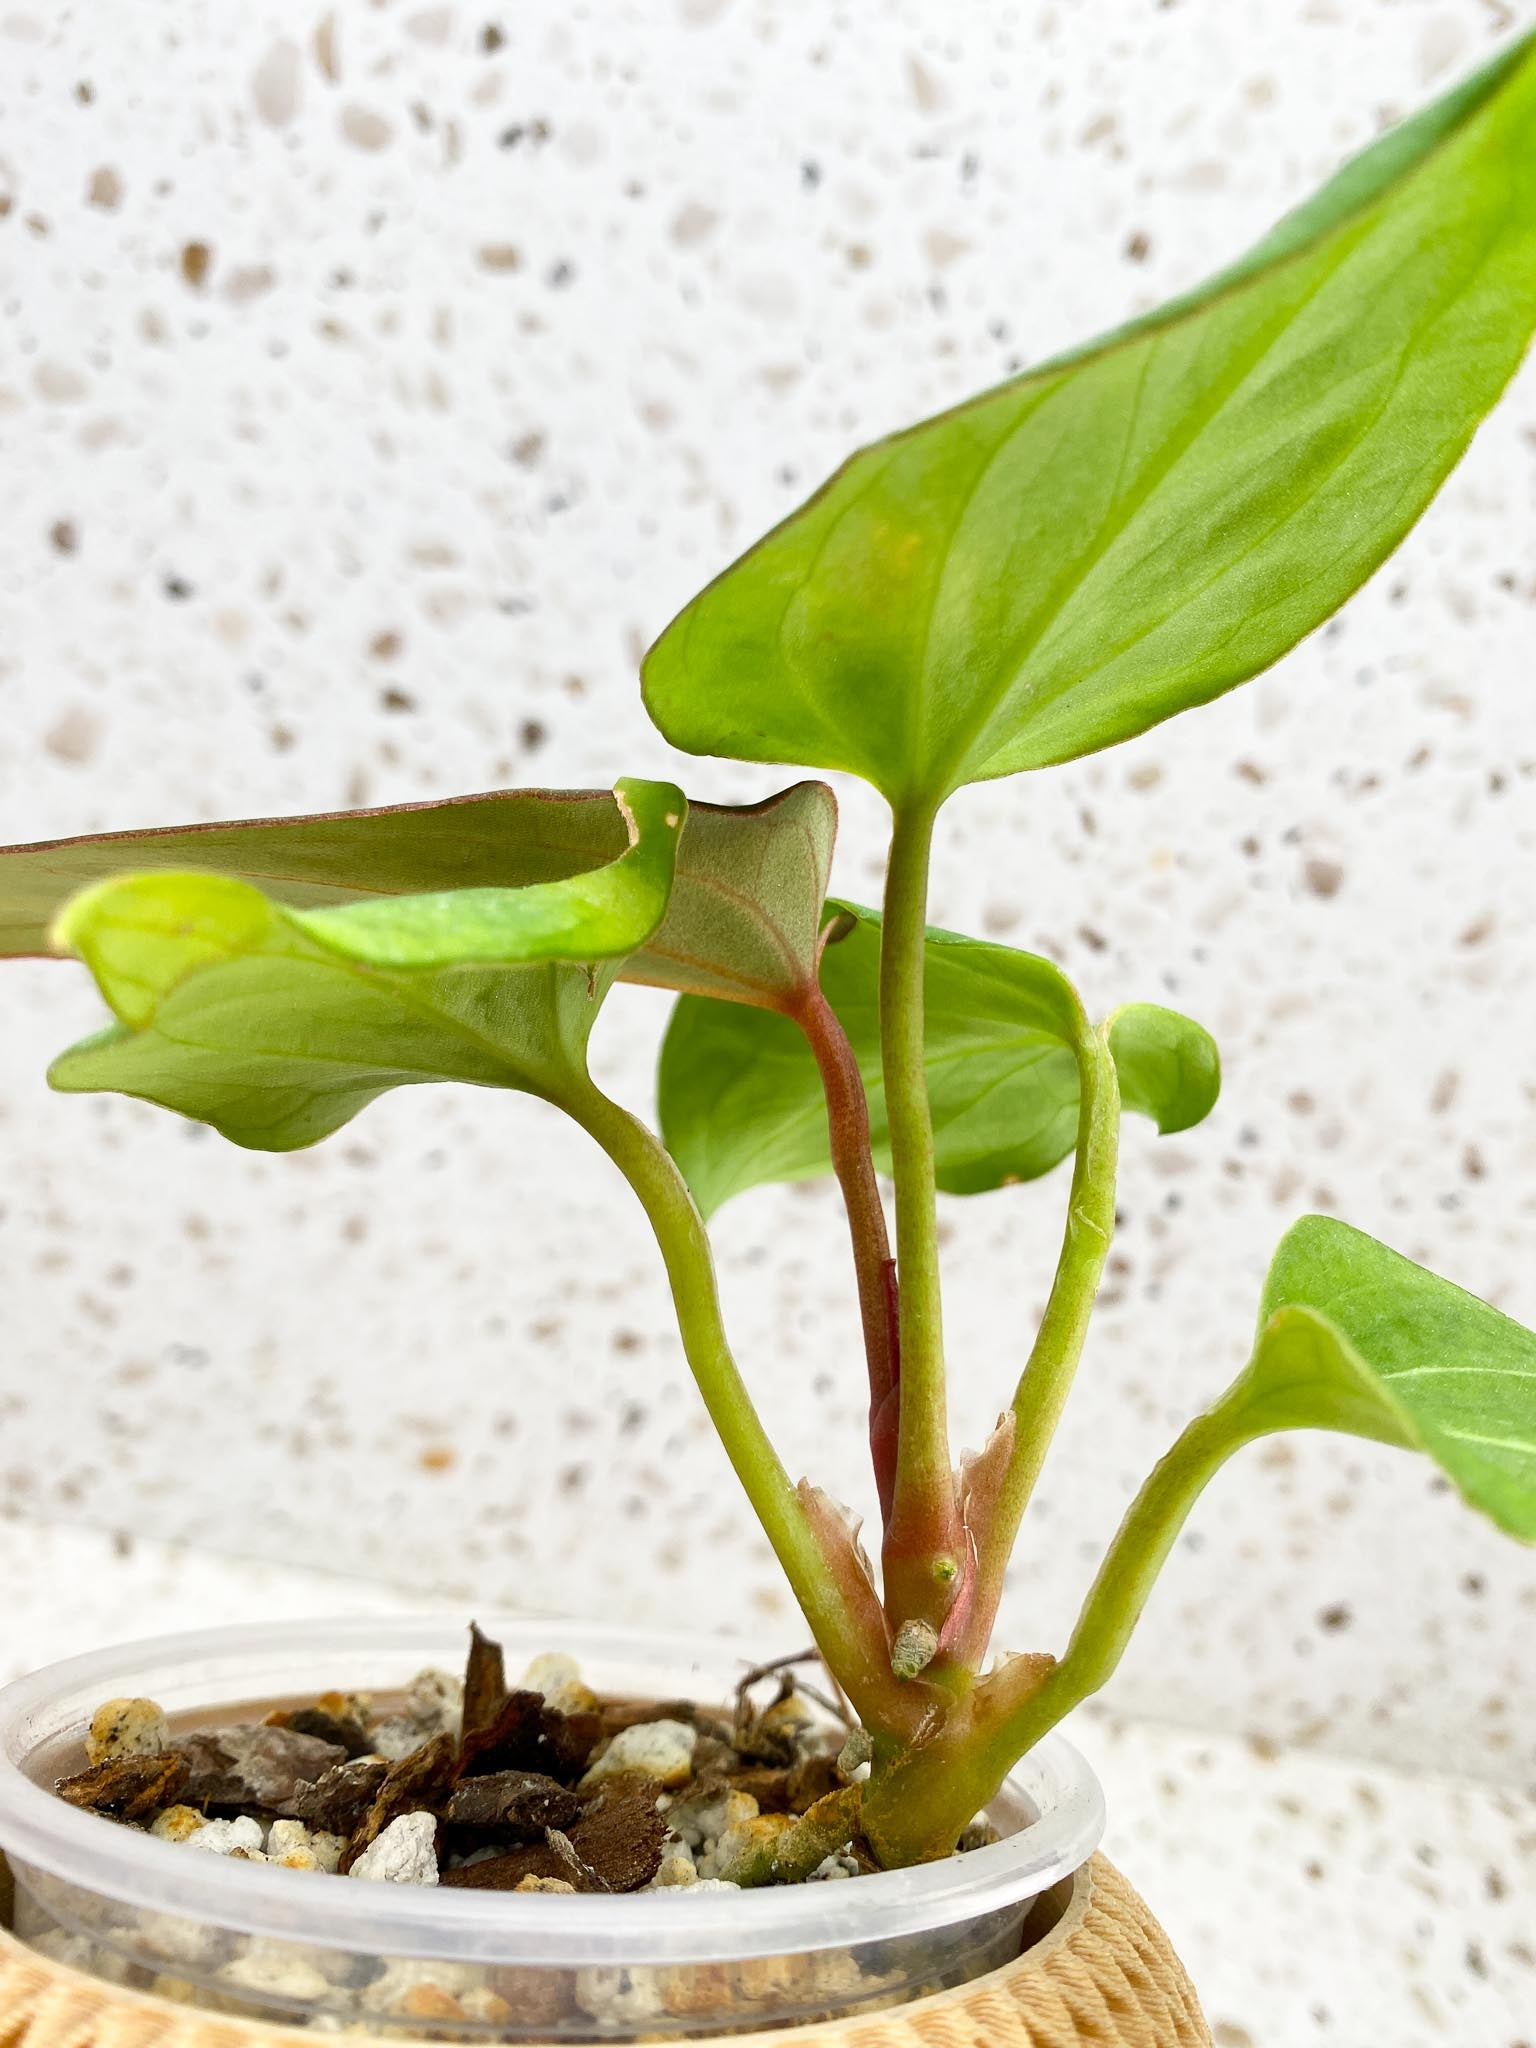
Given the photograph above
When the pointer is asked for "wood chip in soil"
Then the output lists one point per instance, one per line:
(255, 1766)
(485, 1682)
(127, 1787)
(350, 1736)
(419, 1781)
(337, 1801)
(524, 1803)
(616, 1840)
(529, 1736)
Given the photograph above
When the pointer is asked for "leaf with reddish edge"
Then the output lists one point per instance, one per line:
(278, 1025)
(742, 923)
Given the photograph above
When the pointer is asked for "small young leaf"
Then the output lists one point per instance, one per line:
(741, 1100)
(742, 921)
(1355, 1337)
(1169, 1069)
(277, 1026)
(1137, 527)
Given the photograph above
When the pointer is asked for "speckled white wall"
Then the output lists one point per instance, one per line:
(374, 381)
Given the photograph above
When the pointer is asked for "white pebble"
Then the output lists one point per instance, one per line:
(438, 1697)
(405, 1853)
(397, 1736)
(434, 1705)
(175, 1823)
(838, 1864)
(127, 1728)
(271, 1968)
(702, 1820)
(80, 1953)
(290, 1838)
(676, 1867)
(227, 1837)
(402, 1975)
(662, 1750)
(559, 1679)
(193, 1943)
(612, 1992)
(549, 1672)
(716, 1884)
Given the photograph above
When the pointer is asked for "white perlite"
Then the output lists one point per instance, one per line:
(401, 1975)
(270, 1969)
(610, 1992)
(289, 1839)
(662, 1750)
(676, 1866)
(176, 1823)
(405, 1853)
(78, 1952)
(129, 1727)
(434, 1705)
(548, 1672)
(702, 1818)
(240, 1837)
(558, 1678)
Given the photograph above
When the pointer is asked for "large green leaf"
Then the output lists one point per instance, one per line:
(742, 921)
(741, 1100)
(277, 1025)
(1136, 527)
(1355, 1337)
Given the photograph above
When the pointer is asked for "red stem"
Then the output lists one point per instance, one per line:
(853, 1163)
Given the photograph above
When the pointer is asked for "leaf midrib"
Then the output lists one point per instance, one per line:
(988, 701)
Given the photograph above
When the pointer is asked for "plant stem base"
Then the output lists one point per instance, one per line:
(1104, 1973)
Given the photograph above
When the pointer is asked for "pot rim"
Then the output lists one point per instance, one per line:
(43, 1834)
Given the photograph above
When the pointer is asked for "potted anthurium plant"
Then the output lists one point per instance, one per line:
(1053, 567)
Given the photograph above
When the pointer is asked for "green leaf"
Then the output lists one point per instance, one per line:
(1355, 1337)
(278, 1025)
(742, 921)
(741, 1100)
(1168, 1068)
(1137, 527)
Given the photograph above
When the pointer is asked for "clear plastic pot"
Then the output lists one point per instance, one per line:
(331, 1952)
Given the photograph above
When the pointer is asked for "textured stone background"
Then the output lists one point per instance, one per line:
(374, 382)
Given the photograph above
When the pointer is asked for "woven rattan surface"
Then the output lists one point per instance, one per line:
(1105, 1974)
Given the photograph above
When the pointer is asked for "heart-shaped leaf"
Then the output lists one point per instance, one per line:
(1137, 527)
(1357, 1338)
(742, 921)
(741, 1100)
(278, 1025)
